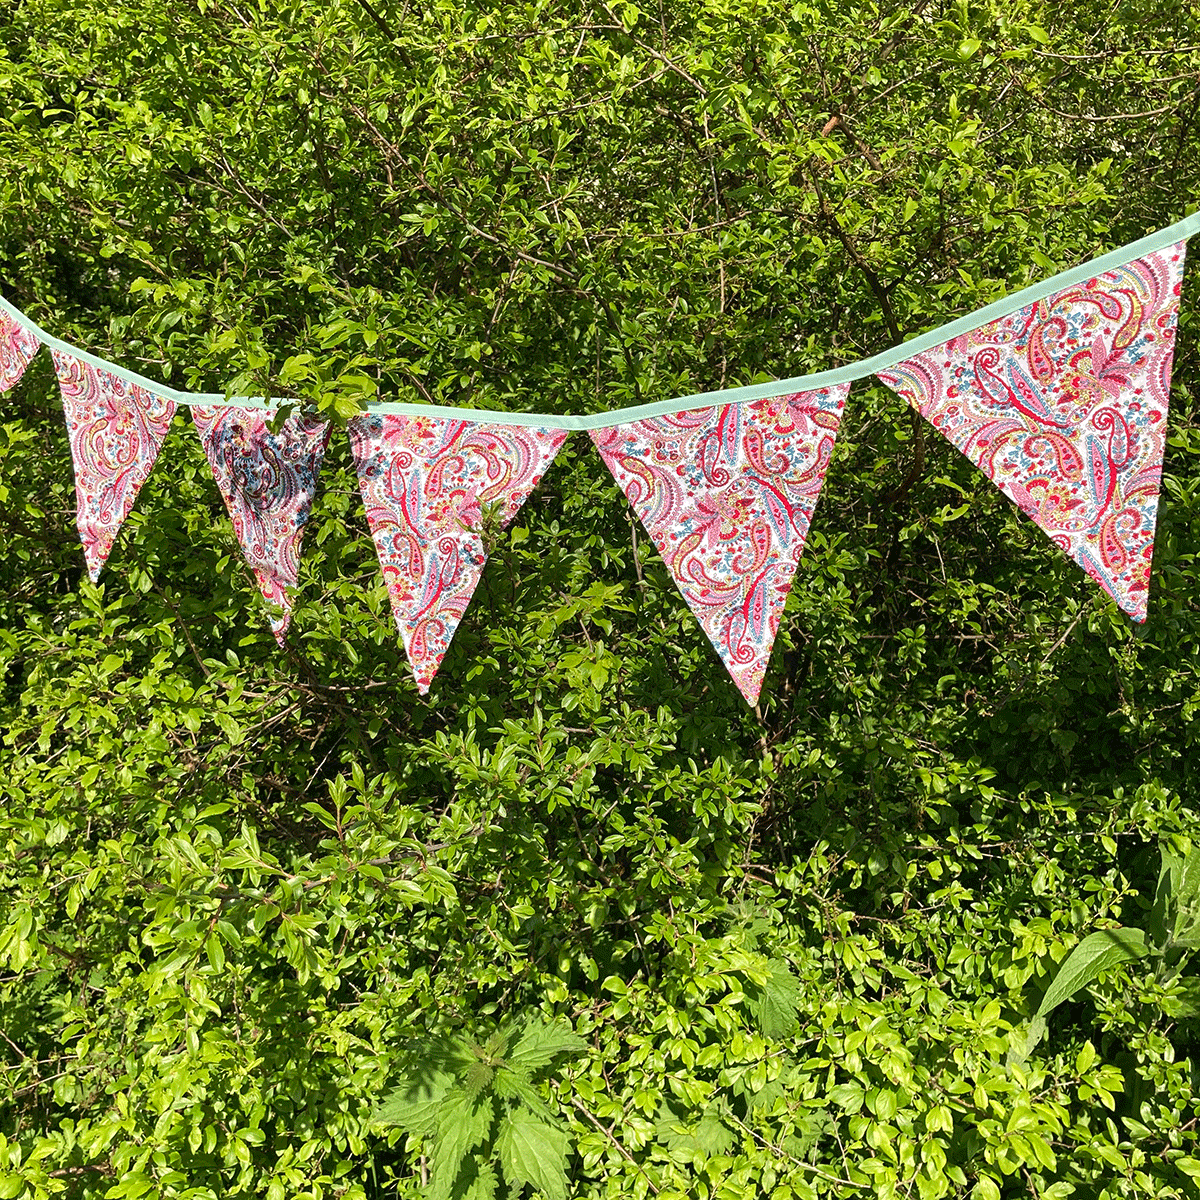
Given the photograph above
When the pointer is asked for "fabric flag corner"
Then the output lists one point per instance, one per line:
(17, 348)
(727, 495)
(1063, 405)
(429, 484)
(116, 429)
(267, 480)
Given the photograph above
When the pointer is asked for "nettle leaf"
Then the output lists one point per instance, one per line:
(478, 1078)
(542, 1041)
(534, 1152)
(776, 1005)
(712, 1134)
(413, 1106)
(463, 1123)
(811, 1130)
(766, 1095)
(689, 1144)
(513, 1085)
(476, 1180)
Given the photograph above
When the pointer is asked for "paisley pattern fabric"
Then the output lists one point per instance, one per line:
(727, 494)
(17, 348)
(425, 482)
(267, 481)
(1063, 404)
(116, 430)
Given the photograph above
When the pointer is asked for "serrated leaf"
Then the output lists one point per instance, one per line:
(511, 1085)
(475, 1181)
(533, 1152)
(713, 1136)
(811, 1130)
(477, 1079)
(1094, 955)
(414, 1104)
(776, 1004)
(766, 1095)
(541, 1042)
(462, 1124)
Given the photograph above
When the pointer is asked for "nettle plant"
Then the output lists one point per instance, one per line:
(476, 1106)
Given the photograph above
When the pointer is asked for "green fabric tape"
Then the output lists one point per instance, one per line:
(1180, 231)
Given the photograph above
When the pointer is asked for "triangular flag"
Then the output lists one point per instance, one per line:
(726, 494)
(116, 430)
(267, 481)
(1063, 405)
(17, 348)
(425, 482)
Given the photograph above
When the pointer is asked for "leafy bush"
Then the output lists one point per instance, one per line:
(799, 944)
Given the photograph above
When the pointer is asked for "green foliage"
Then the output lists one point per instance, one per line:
(478, 1107)
(1174, 932)
(800, 943)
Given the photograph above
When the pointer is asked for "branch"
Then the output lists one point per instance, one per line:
(889, 315)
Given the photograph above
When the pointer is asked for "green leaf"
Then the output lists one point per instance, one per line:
(1185, 929)
(985, 1189)
(413, 1106)
(462, 1124)
(1094, 955)
(533, 1152)
(1162, 914)
(848, 1096)
(1029, 1038)
(776, 1005)
(541, 1042)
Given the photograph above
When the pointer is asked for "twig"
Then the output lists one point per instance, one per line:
(608, 1134)
(1065, 634)
(795, 1161)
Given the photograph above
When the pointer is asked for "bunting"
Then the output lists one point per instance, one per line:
(267, 480)
(1059, 394)
(17, 348)
(1063, 405)
(116, 429)
(727, 494)
(432, 488)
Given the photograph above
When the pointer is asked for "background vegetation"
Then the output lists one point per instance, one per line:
(580, 910)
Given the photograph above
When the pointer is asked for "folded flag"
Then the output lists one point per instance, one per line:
(431, 486)
(726, 494)
(267, 480)
(116, 430)
(1063, 405)
(17, 348)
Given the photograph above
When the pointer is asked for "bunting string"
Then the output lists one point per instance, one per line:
(1058, 393)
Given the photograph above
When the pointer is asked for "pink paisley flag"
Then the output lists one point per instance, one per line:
(267, 481)
(1063, 405)
(116, 430)
(425, 482)
(17, 348)
(727, 494)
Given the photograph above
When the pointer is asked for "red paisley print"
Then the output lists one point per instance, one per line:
(1064, 405)
(17, 348)
(727, 494)
(425, 481)
(116, 430)
(267, 481)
